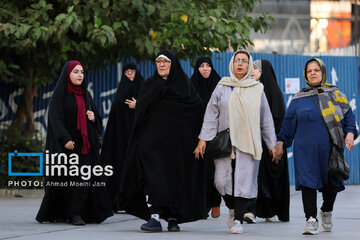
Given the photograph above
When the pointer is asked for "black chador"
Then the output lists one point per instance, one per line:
(69, 195)
(118, 129)
(205, 87)
(160, 168)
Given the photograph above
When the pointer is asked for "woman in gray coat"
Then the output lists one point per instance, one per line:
(238, 103)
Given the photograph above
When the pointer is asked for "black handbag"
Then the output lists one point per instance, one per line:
(338, 167)
(220, 146)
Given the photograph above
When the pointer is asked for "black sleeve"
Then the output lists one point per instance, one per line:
(56, 118)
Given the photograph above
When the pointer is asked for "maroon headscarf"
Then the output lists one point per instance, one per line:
(78, 92)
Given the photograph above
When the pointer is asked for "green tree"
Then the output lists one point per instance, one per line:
(38, 36)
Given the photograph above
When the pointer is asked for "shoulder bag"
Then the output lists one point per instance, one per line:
(220, 146)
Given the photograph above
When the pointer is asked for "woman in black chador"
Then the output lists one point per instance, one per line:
(73, 128)
(160, 176)
(273, 180)
(205, 79)
(118, 129)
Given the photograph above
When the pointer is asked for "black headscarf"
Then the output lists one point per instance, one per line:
(125, 81)
(118, 129)
(204, 86)
(160, 160)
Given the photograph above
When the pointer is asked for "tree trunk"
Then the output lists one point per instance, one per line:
(24, 112)
(28, 96)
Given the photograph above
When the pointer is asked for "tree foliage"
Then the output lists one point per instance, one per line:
(38, 36)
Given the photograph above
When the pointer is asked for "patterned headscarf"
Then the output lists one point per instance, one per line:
(333, 103)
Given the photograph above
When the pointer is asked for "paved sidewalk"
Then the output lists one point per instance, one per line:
(17, 222)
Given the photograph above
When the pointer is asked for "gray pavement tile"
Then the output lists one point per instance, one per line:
(17, 221)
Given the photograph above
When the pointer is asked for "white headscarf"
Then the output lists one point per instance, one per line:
(244, 110)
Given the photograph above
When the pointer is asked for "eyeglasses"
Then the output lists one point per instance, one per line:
(162, 62)
(241, 61)
(130, 71)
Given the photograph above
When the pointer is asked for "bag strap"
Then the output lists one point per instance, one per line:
(318, 108)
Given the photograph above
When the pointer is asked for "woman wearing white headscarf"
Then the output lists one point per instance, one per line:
(238, 103)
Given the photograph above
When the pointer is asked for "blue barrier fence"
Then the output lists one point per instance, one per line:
(102, 84)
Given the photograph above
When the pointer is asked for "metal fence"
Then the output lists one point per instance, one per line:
(102, 84)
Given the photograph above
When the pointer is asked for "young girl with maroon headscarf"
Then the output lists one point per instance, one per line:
(73, 126)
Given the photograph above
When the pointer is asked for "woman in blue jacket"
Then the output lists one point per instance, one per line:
(312, 134)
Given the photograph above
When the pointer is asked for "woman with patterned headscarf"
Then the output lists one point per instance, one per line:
(238, 103)
(312, 134)
(74, 124)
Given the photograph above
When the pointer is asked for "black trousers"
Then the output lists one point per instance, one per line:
(239, 205)
(329, 193)
(251, 206)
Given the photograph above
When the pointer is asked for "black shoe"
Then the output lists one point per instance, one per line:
(152, 225)
(77, 221)
(173, 226)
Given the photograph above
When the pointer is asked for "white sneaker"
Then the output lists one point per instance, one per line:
(237, 228)
(326, 222)
(230, 218)
(311, 227)
(272, 219)
(249, 217)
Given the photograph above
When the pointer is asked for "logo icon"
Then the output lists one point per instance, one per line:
(17, 154)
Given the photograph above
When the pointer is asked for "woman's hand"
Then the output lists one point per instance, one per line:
(273, 153)
(200, 149)
(349, 140)
(279, 152)
(70, 145)
(131, 103)
(90, 115)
